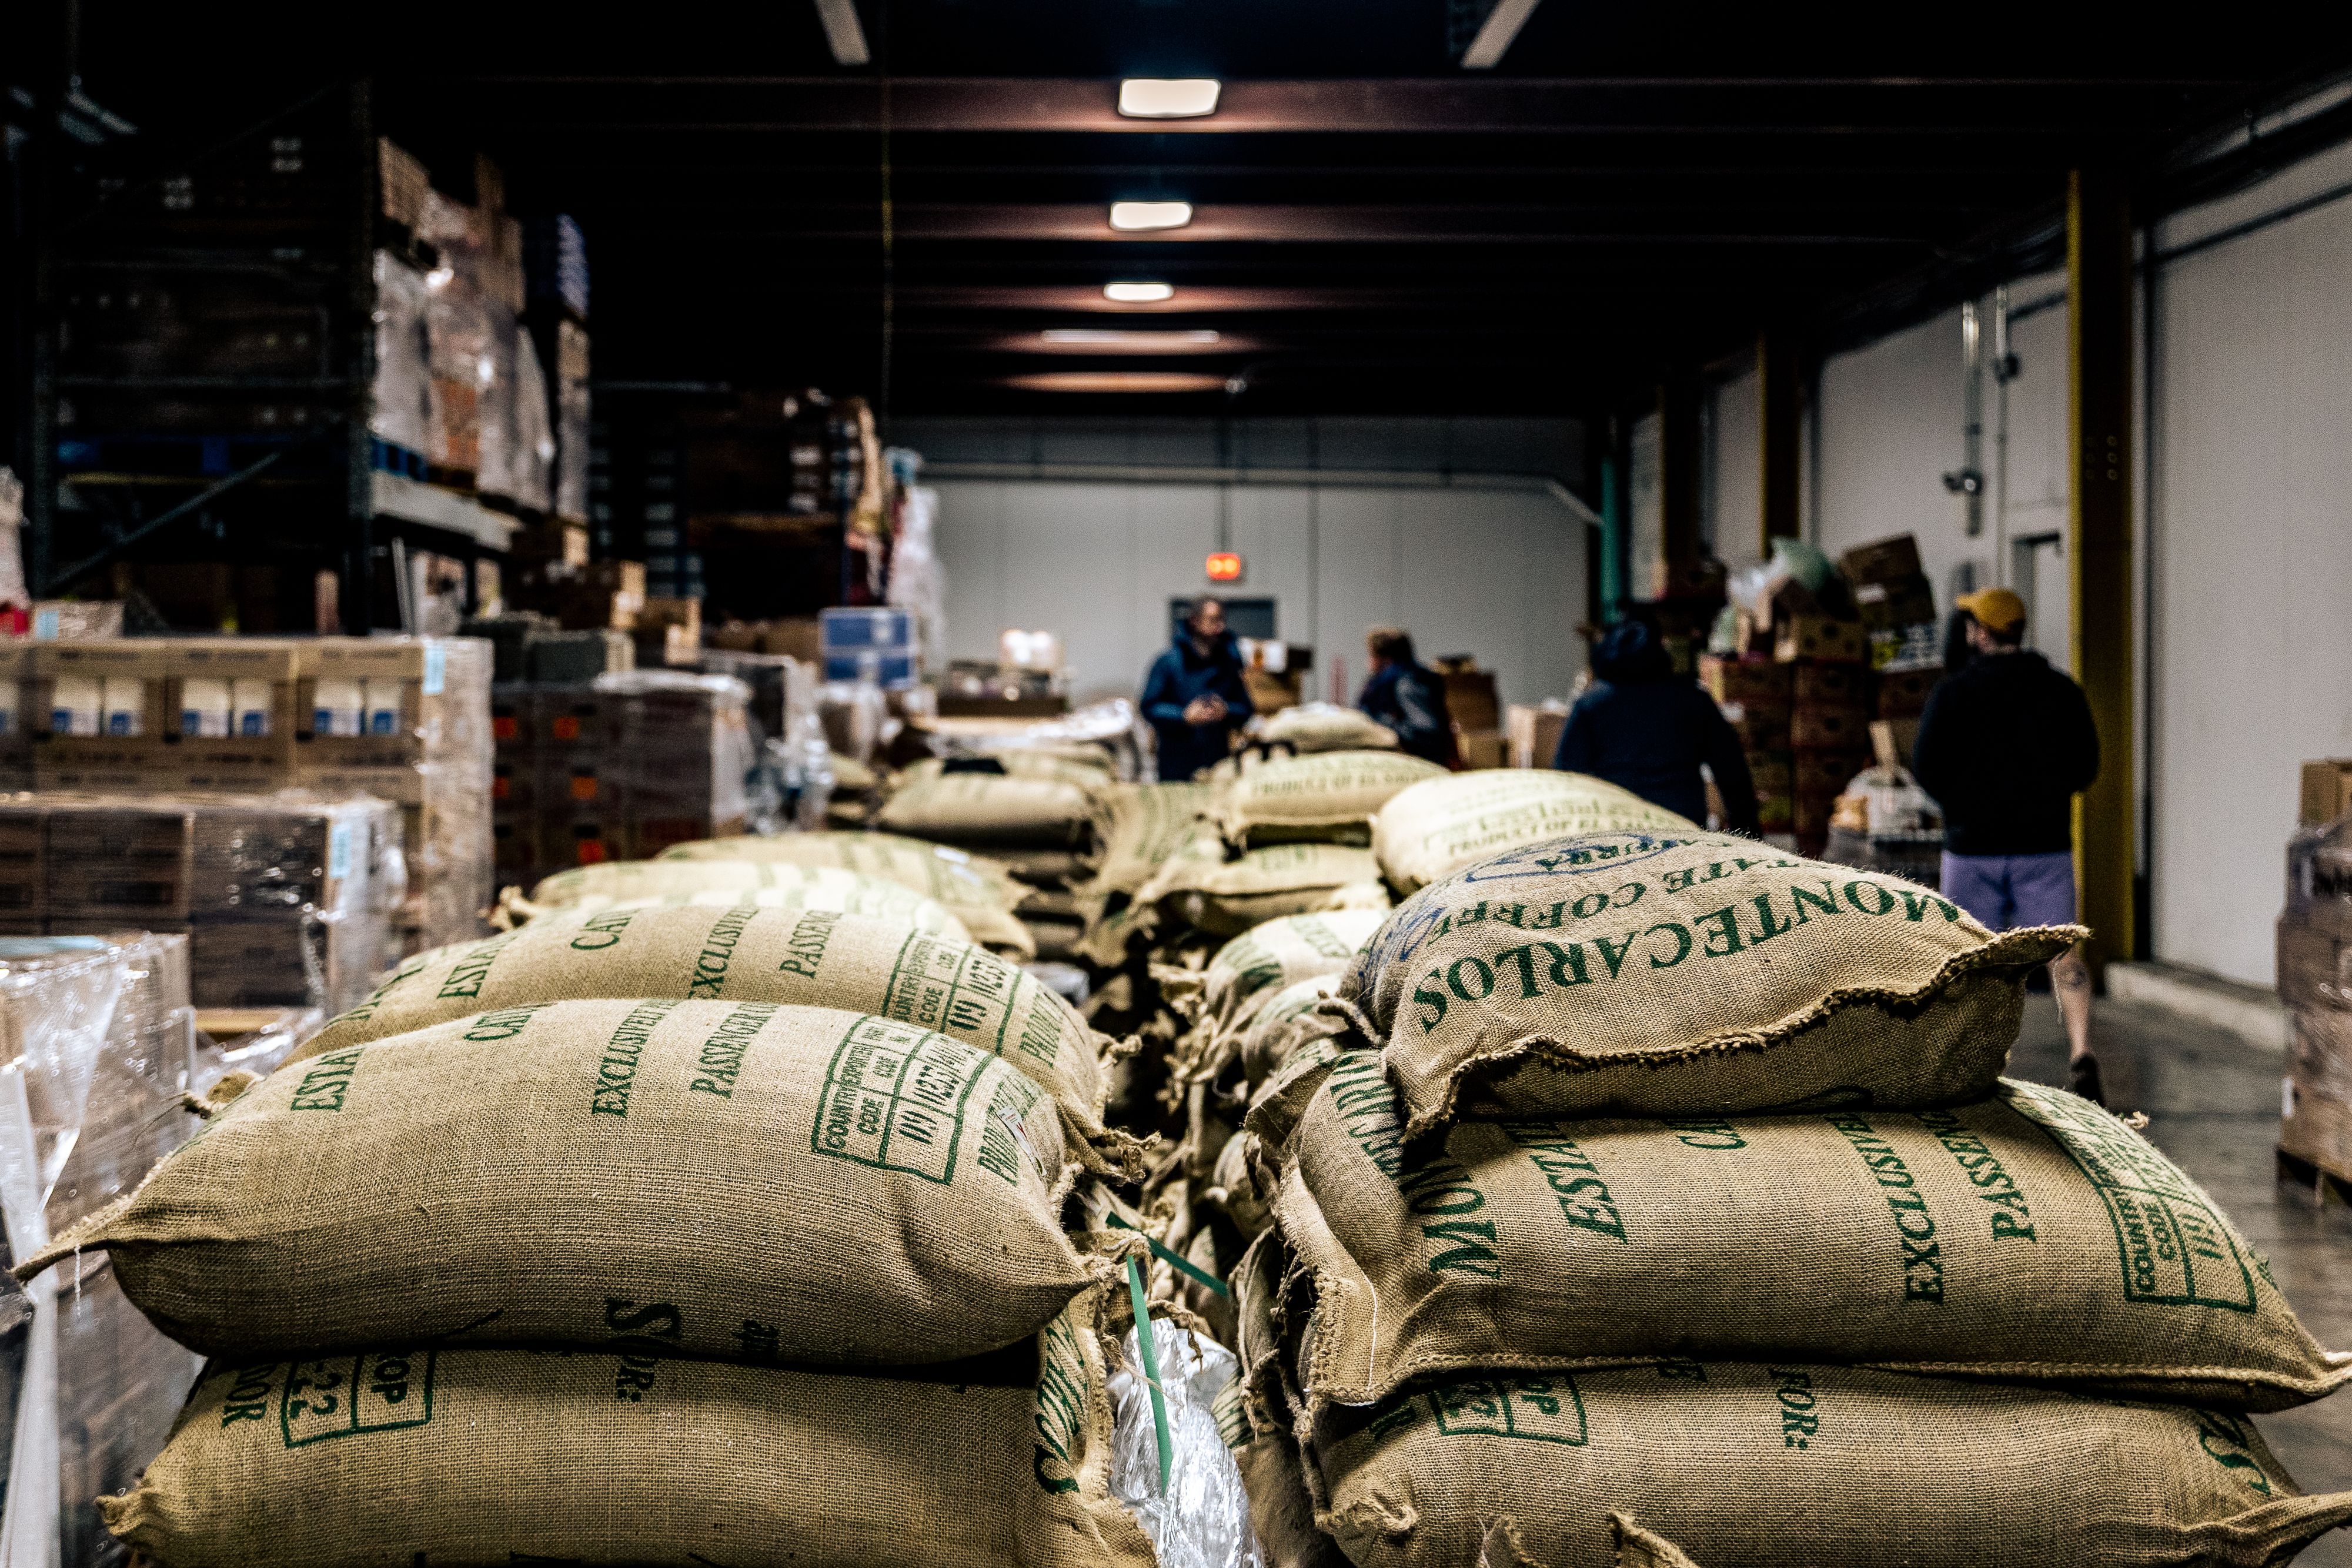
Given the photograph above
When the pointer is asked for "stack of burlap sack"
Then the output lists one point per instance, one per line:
(669, 1234)
(1041, 812)
(1653, 1197)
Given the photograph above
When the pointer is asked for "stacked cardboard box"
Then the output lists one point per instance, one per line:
(2315, 976)
(285, 900)
(1476, 701)
(1532, 734)
(619, 768)
(1758, 696)
(405, 719)
(1897, 604)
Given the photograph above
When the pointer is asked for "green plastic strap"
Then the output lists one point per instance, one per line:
(1175, 1259)
(1150, 1365)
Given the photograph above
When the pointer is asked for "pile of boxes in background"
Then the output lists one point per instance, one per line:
(618, 767)
(1817, 695)
(2315, 980)
(403, 719)
(1476, 701)
(286, 901)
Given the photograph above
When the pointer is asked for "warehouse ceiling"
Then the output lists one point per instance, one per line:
(1631, 192)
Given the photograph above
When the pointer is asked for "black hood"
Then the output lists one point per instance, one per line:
(1630, 653)
(1222, 650)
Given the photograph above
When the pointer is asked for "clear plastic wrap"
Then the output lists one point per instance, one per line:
(919, 580)
(405, 410)
(532, 460)
(571, 428)
(1202, 1519)
(99, 1049)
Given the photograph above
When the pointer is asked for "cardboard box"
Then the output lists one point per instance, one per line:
(1271, 691)
(1902, 694)
(1844, 688)
(1891, 740)
(1908, 602)
(1824, 775)
(1745, 680)
(1474, 700)
(2326, 792)
(1819, 639)
(1842, 730)
(1534, 734)
(1482, 747)
(2315, 967)
(2316, 1128)
(1761, 727)
(1890, 560)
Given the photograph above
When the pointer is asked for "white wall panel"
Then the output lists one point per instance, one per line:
(1891, 419)
(1497, 572)
(1735, 456)
(2250, 517)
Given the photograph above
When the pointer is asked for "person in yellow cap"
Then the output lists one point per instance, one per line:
(2004, 746)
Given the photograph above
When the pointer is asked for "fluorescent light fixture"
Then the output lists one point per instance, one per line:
(1130, 217)
(1496, 33)
(1113, 338)
(1118, 382)
(1163, 98)
(1139, 293)
(843, 35)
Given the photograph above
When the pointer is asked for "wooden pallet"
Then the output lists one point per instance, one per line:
(2316, 1182)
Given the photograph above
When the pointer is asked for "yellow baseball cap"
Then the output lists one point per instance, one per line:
(1996, 609)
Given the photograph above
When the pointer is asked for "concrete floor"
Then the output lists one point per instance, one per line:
(2213, 1104)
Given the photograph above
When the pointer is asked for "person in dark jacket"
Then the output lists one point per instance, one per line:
(1407, 697)
(1193, 696)
(1645, 728)
(2004, 746)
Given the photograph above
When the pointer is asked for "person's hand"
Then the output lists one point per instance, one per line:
(1205, 710)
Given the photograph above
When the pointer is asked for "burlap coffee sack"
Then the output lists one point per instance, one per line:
(1227, 897)
(1638, 1548)
(1281, 1514)
(1324, 727)
(623, 1455)
(1250, 969)
(799, 1183)
(1151, 824)
(2029, 1236)
(1040, 809)
(617, 883)
(1328, 797)
(1780, 1465)
(1436, 828)
(1289, 1017)
(1089, 767)
(979, 892)
(1242, 1184)
(805, 957)
(1641, 974)
(1035, 868)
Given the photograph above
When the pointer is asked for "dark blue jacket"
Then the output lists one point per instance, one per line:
(1176, 677)
(1645, 728)
(1411, 700)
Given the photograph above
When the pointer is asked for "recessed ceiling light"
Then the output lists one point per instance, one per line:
(1139, 293)
(1118, 382)
(1129, 216)
(1163, 97)
(1112, 338)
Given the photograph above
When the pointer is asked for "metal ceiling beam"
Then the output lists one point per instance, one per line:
(1405, 104)
(843, 33)
(1264, 222)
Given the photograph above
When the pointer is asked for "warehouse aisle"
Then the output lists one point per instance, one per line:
(2213, 1105)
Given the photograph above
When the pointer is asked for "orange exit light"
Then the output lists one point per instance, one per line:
(1224, 567)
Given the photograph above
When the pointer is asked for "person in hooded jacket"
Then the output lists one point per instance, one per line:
(1647, 729)
(1193, 696)
(1407, 697)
